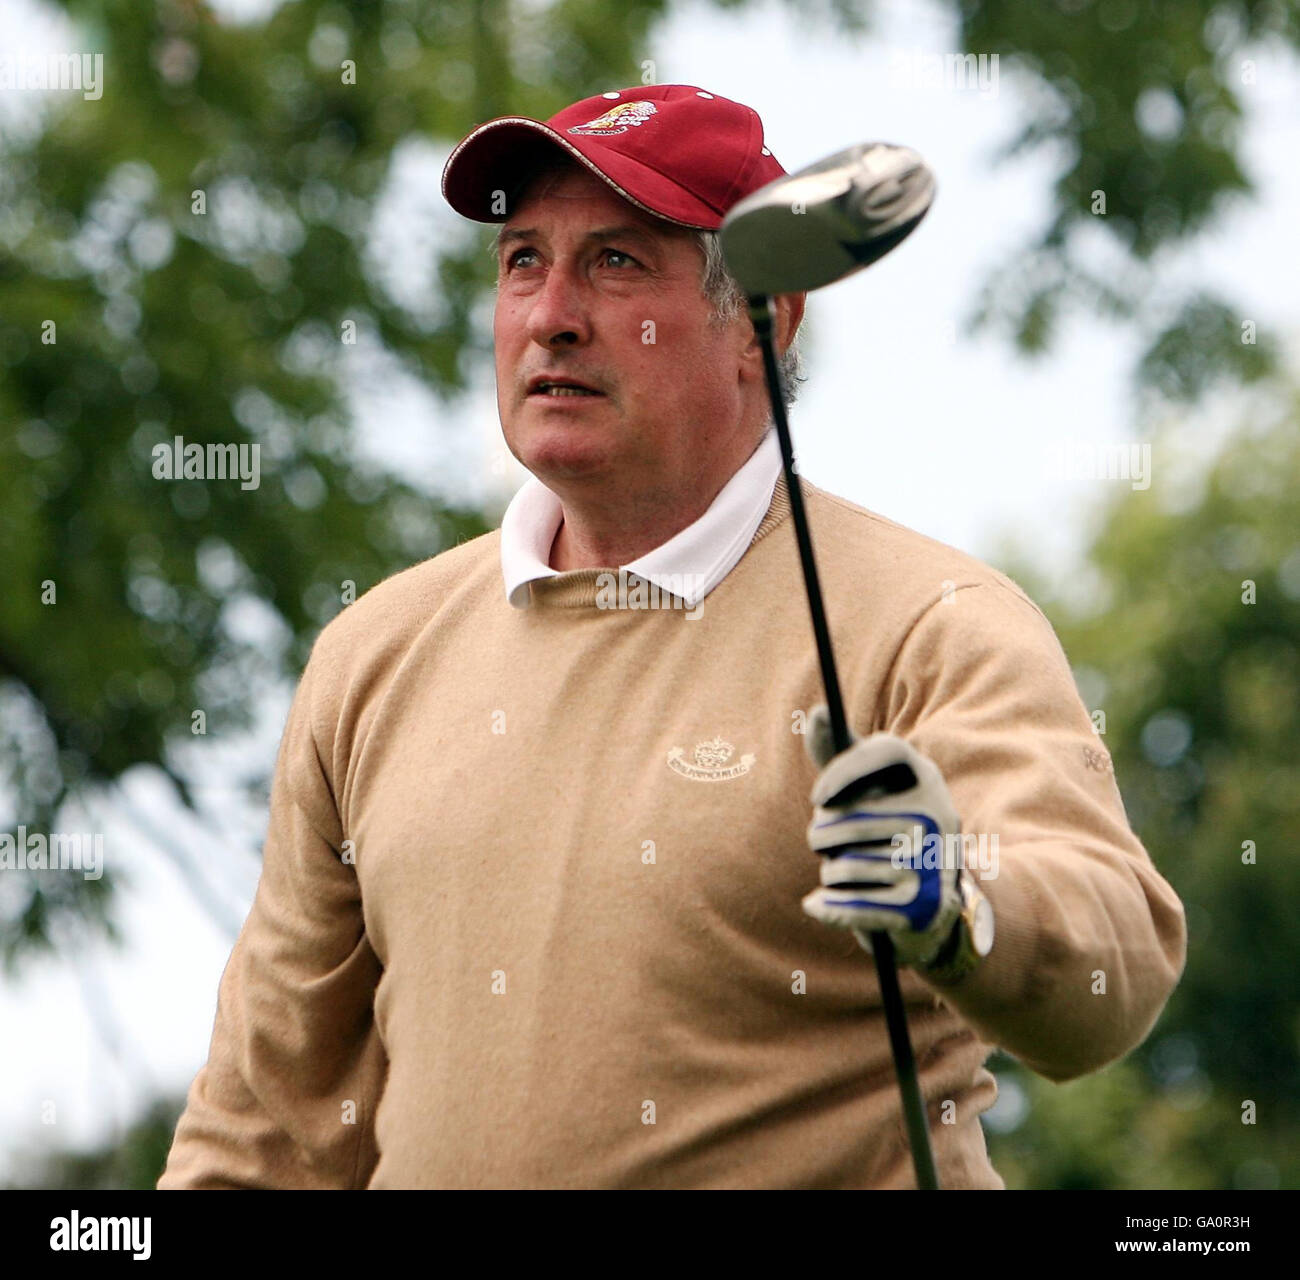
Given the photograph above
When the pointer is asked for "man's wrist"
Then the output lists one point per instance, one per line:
(947, 953)
(971, 938)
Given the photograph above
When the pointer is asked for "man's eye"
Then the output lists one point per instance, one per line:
(513, 260)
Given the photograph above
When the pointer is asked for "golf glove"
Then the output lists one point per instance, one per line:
(875, 805)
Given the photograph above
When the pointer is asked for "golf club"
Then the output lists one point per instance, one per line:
(801, 232)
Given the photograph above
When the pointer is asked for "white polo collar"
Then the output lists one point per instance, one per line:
(690, 564)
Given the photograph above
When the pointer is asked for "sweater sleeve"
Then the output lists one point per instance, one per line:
(1089, 938)
(295, 1068)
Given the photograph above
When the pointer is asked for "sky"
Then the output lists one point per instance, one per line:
(902, 414)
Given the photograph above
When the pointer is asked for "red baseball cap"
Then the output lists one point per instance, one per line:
(676, 151)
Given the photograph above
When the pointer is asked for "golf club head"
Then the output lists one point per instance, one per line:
(814, 227)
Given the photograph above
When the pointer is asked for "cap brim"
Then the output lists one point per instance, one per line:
(492, 165)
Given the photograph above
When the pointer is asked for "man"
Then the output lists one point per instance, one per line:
(538, 904)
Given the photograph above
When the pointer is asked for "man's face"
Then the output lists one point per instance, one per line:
(592, 288)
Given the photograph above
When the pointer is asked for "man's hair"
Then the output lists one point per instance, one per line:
(727, 299)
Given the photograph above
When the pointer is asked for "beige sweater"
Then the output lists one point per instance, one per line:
(530, 908)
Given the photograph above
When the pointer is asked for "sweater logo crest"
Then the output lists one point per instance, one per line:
(710, 762)
(1098, 760)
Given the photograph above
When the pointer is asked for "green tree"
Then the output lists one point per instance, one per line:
(1190, 645)
(1140, 102)
(134, 1163)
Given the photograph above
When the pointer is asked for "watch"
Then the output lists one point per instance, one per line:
(971, 938)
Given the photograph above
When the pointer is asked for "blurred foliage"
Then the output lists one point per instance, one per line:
(1139, 103)
(1201, 692)
(132, 1163)
(224, 327)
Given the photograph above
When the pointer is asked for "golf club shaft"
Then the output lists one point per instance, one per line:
(882, 948)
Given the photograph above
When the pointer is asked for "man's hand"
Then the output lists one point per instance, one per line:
(872, 802)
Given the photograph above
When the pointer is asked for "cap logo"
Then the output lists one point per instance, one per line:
(618, 119)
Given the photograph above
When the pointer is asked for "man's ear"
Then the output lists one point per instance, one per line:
(789, 315)
(789, 308)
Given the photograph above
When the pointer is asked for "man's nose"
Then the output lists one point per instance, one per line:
(559, 312)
